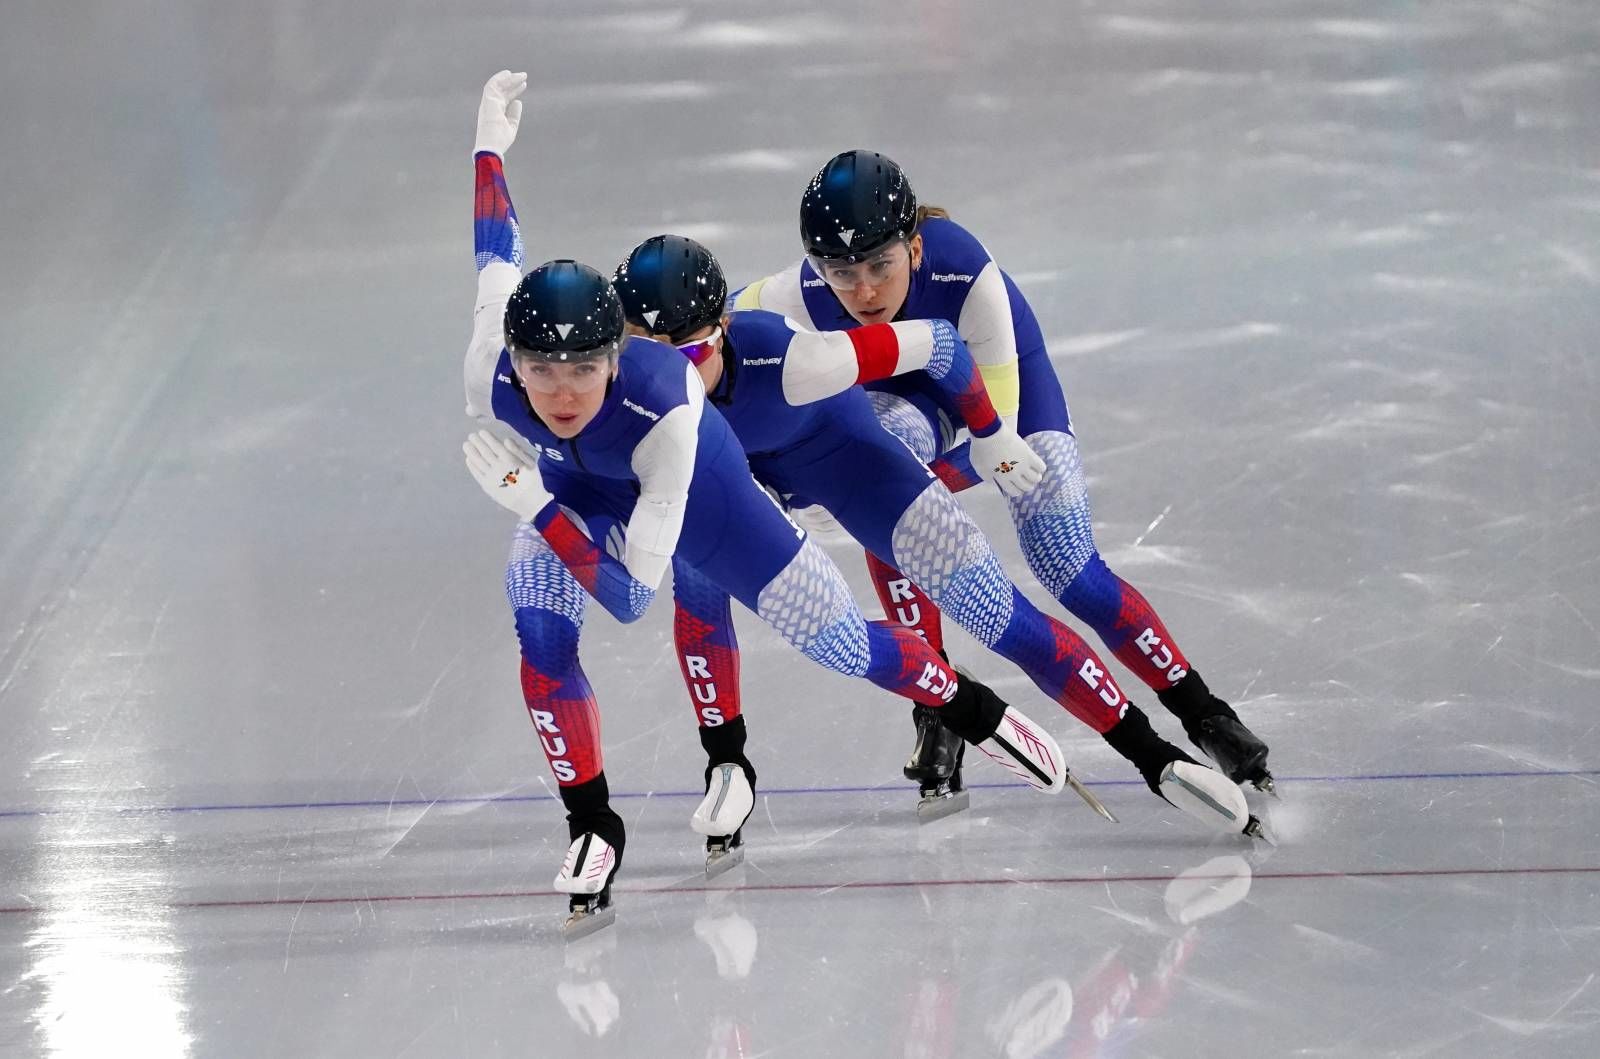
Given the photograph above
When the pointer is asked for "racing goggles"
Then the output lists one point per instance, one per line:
(877, 269)
(701, 348)
(585, 376)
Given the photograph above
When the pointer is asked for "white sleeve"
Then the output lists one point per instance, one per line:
(495, 284)
(987, 328)
(821, 364)
(985, 323)
(779, 293)
(664, 462)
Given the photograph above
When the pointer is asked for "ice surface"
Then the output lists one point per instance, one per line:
(1323, 283)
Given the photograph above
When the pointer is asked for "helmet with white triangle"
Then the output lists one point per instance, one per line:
(671, 285)
(563, 312)
(856, 204)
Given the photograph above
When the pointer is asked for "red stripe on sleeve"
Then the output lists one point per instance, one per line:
(877, 351)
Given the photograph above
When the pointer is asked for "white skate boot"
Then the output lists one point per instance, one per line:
(586, 875)
(1026, 751)
(721, 816)
(1209, 797)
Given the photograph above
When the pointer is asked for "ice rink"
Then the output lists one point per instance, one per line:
(1322, 280)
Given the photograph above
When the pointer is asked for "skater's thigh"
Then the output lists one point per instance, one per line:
(736, 536)
(600, 506)
(1043, 405)
(867, 484)
(917, 420)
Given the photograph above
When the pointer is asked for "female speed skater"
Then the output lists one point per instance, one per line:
(630, 454)
(873, 255)
(790, 396)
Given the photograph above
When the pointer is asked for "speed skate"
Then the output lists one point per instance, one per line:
(586, 875)
(721, 816)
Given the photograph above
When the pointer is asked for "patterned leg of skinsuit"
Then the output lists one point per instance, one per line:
(788, 581)
(1055, 527)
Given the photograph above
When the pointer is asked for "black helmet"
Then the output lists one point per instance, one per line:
(563, 312)
(859, 202)
(671, 285)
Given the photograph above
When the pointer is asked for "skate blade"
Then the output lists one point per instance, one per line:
(1254, 828)
(1087, 795)
(1265, 785)
(582, 923)
(723, 861)
(938, 806)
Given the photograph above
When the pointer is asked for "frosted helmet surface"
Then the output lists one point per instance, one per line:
(856, 204)
(563, 312)
(671, 285)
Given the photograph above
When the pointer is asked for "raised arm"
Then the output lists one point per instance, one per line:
(496, 239)
(822, 364)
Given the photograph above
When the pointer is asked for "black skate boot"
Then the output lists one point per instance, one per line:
(1176, 778)
(935, 764)
(1212, 726)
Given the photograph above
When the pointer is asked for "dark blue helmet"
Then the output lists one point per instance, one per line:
(671, 285)
(858, 203)
(563, 312)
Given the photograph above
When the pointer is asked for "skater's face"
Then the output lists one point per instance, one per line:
(702, 347)
(566, 396)
(874, 290)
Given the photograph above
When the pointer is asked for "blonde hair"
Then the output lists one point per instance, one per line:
(924, 212)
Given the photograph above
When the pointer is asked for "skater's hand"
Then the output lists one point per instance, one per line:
(500, 111)
(1006, 460)
(502, 474)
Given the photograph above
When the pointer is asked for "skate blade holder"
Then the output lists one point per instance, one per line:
(588, 918)
(723, 856)
(1254, 828)
(939, 805)
(1088, 796)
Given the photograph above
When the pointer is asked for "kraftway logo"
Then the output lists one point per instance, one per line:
(950, 277)
(760, 362)
(642, 411)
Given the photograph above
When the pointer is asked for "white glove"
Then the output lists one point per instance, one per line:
(1006, 460)
(499, 112)
(508, 481)
(819, 522)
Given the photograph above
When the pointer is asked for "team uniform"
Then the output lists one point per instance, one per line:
(657, 474)
(780, 392)
(791, 396)
(957, 280)
(833, 452)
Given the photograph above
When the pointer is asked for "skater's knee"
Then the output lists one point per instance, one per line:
(846, 648)
(1094, 594)
(548, 640)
